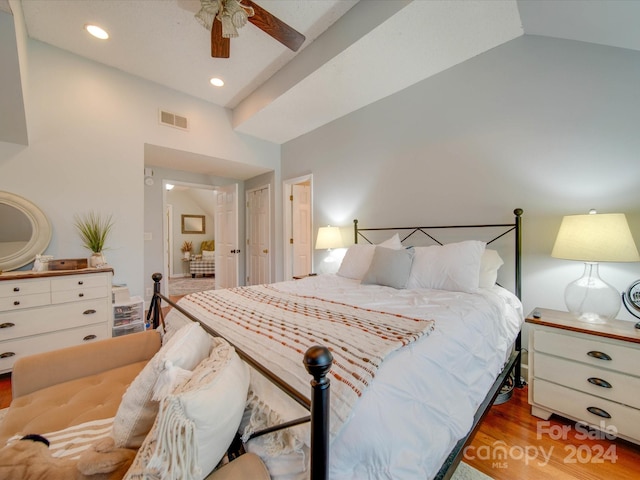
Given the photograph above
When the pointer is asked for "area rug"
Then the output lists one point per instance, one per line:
(186, 285)
(465, 472)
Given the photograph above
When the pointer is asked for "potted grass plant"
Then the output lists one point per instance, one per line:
(186, 249)
(94, 230)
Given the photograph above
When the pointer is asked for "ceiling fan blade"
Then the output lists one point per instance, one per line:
(220, 46)
(275, 27)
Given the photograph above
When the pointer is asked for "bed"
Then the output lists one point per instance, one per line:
(401, 408)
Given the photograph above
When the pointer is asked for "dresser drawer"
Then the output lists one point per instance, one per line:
(19, 302)
(12, 350)
(591, 351)
(78, 281)
(59, 317)
(589, 379)
(623, 420)
(24, 287)
(75, 295)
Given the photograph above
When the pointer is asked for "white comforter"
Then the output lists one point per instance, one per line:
(424, 396)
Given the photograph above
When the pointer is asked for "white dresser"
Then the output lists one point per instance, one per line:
(585, 372)
(50, 310)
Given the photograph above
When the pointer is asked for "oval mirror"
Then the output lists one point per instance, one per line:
(25, 232)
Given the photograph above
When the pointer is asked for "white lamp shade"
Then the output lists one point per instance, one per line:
(595, 238)
(328, 237)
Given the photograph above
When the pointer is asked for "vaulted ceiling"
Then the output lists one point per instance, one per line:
(355, 53)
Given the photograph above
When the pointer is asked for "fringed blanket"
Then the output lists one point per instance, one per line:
(276, 328)
(71, 442)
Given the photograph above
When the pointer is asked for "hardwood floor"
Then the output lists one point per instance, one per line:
(533, 449)
(538, 449)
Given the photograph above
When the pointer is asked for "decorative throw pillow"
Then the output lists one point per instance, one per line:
(208, 254)
(454, 267)
(197, 421)
(138, 410)
(207, 245)
(358, 257)
(389, 267)
(490, 263)
(356, 261)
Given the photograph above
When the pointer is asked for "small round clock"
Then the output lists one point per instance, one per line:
(631, 300)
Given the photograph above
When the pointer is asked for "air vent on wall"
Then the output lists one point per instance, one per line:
(173, 120)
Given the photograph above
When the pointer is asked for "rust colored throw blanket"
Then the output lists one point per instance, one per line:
(277, 327)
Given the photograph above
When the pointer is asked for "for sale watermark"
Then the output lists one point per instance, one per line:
(500, 454)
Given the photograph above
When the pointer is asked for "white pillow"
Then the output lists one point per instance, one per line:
(490, 263)
(208, 255)
(137, 411)
(454, 267)
(356, 261)
(198, 421)
(393, 242)
(389, 267)
(358, 257)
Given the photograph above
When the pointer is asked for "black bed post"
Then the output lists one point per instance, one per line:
(518, 368)
(355, 230)
(155, 301)
(317, 361)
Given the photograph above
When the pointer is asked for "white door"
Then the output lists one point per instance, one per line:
(301, 228)
(168, 243)
(258, 236)
(226, 235)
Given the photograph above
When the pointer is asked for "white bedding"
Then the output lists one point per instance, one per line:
(424, 395)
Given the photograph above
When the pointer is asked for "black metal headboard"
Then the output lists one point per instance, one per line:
(430, 233)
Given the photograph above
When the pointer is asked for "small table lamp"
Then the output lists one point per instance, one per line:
(328, 237)
(594, 238)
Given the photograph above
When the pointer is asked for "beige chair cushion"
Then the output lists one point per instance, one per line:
(70, 403)
(247, 466)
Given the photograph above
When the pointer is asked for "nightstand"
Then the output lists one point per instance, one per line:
(585, 372)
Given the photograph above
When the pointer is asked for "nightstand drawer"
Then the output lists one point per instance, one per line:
(589, 379)
(594, 352)
(622, 419)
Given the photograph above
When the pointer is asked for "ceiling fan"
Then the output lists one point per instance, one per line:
(224, 17)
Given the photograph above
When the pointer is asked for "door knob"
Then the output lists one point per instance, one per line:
(266, 250)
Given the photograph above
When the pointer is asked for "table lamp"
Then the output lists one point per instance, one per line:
(594, 238)
(328, 238)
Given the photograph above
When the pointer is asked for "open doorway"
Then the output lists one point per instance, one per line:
(189, 239)
(298, 221)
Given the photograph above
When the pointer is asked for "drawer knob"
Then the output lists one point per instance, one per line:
(599, 412)
(599, 382)
(16, 303)
(81, 294)
(89, 337)
(7, 354)
(91, 311)
(7, 325)
(16, 289)
(80, 282)
(598, 355)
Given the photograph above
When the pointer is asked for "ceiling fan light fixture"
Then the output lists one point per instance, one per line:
(216, 82)
(96, 31)
(228, 29)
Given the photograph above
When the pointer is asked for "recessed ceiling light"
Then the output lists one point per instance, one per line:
(96, 31)
(216, 82)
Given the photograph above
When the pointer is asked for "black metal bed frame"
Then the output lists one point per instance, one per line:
(317, 360)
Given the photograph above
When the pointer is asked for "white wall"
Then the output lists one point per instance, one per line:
(88, 124)
(550, 126)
